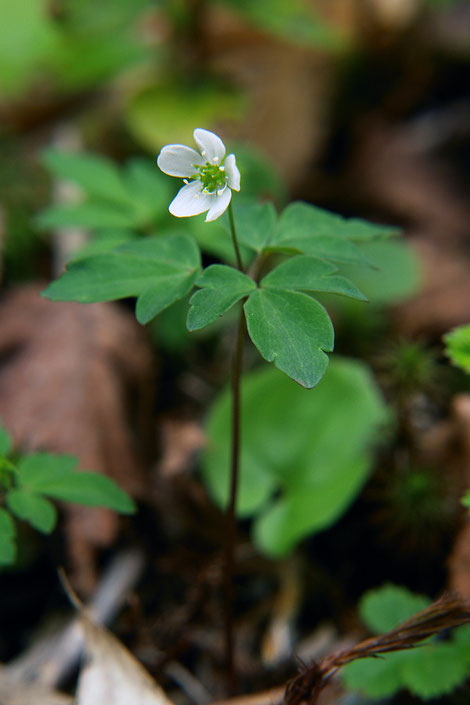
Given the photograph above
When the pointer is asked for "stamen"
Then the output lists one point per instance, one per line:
(203, 153)
(221, 168)
(215, 160)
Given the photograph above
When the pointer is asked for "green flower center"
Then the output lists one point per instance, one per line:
(212, 177)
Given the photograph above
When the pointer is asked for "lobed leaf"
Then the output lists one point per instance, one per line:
(434, 669)
(55, 476)
(104, 242)
(97, 175)
(39, 512)
(376, 677)
(311, 274)
(149, 190)
(386, 607)
(429, 670)
(90, 489)
(305, 220)
(38, 468)
(158, 271)
(222, 287)
(292, 330)
(317, 232)
(394, 275)
(91, 214)
(255, 224)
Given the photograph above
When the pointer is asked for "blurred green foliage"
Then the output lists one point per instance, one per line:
(74, 48)
(457, 348)
(27, 484)
(297, 478)
(432, 669)
(296, 20)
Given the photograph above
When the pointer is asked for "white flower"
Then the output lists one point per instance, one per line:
(209, 175)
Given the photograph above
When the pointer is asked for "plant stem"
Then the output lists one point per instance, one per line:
(229, 548)
(234, 238)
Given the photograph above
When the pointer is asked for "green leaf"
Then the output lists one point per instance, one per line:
(92, 214)
(39, 512)
(311, 274)
(7, 538)
(386, 607)
(466, 499)
(7, 541)
(255, 224)
(296, 20)
(6, 443)
(306, 509)
(319, 233)
(375, 677)
(167, 113)
(394, 275)
(54, 476)
(27, 35)
(222, 287)
(303, 220)
(430, 670)
(149, 189)
(289, 455)
(97, 175)
(157, 270)
(293, 331)
(104, 242)
(434, 669)
(260, 175)
(90, 489)
(37, 468)
(458, 346)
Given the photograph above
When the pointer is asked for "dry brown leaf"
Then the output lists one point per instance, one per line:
(111, 674)
(67, 374)
(14, 693)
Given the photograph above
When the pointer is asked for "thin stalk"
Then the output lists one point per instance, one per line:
(230, 517)
(234, 238)
(229, 552)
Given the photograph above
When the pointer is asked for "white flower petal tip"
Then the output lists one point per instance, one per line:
(210, 145)
(178, 160)
(190, 200)
(233, 175)
(220, 206)
(208, 175)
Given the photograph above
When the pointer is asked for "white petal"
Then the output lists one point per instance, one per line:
(211, 147)
(179, 160)
(190, 200)
(220, 205)
(232, 173)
